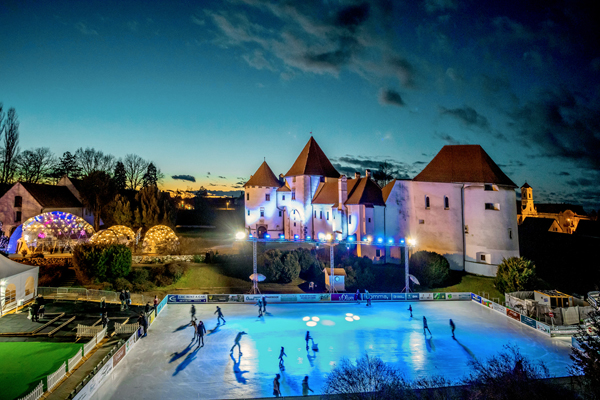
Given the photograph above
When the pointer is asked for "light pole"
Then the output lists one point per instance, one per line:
(2, 288)
(410, 243)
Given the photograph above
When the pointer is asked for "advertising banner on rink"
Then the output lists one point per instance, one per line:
(513, 314)
(439, 296)
(499, 308)
(528, 321)
(288, 298)
(187, 298)
(425, 296)
(542, 328)
(412, 296)
(381, 296)
(475, 297)
(399, 296)
(342, 296)
(314, 297)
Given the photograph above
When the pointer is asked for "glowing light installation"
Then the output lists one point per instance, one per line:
(117, 234)
(160, 238)
(56, 230)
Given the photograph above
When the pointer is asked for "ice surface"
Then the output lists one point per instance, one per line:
(165, 365)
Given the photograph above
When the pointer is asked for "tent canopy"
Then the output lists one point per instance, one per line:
(10, 268)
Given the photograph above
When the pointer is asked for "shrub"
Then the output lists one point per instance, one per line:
(101, 262)
(272, 265)
(122, 284)
(291, 268)
(515, 274)
(431, 269)
(176, 270)
(118, 259)
(198, 259)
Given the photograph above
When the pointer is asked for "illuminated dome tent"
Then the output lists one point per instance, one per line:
(117, 234)
(53, 231)
(160, 238)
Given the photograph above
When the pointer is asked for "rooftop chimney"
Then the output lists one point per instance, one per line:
(357, 175)
(368, 173)
(342, 191)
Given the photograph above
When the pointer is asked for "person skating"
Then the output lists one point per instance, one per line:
(194, 326)
(453, 327)
(410, 309)
(104, 320)
(193, 312)
(276, 390)
(219, 315)
(357, 296)
(260, 312)
(264, 303)
(122, 298)
(128, 299)
(143, 321)
(42, 311)
(155, 306)
(305, 387)
(281, 355)
(201, 332)
(147, 307)
(369, 301)
(425, 325)
(237, 342)
(307, 338)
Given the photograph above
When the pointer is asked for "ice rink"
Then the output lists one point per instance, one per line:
(166, 365)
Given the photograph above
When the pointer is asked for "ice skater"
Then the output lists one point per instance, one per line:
(237, 342)
(194, 326)
(410, 309)
(201, 332)
(193, 312)
(260, 312)
(357, 296)
(453, 327)
(219, 315)
(305, 387)
(307, 338)
(264, 303)
(281, 354)
(369, 301)
(425, 326)
(276, 390)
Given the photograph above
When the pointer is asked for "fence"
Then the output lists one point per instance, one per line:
(87, 331)
(73, 361)
(56, 377)
(92, 343)
(36, 393)
(126, 328)
(66, 293)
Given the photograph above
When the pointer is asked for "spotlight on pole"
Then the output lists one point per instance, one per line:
(240, 235)
(267, 236)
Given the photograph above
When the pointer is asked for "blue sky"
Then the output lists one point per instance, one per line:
(208, 89)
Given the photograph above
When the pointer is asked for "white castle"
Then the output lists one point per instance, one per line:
(461, 206)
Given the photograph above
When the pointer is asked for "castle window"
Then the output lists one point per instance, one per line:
(267, 197)
(18, 201)
(262, 212)
(446, 203)
(247, 196)
(421, 222)
(510, 233)
(18, 216)
(283, 197)
(327, 215)
(293, 195)
(466, 229)
(492, 206)
(248, 212)
(369, 220)
(322, 179)
(483, 257)
(427, 202)
(377, 253)
(315, 213)
(280, 213)
(293, 179)
(490, 187)
(349, 219)
(529, 194)
(320, 214)
(294, 224)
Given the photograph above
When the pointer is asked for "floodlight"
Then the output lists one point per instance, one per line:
(281, 236)
(328, 237)
(296, 237)
(379, 240)
(401, 241)
(250, 235)
(391, 240)
(308, 238)
(321, 236)
(350, 238)
(412, 242)
(267, 236)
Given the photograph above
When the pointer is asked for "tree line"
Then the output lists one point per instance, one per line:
(41, 165)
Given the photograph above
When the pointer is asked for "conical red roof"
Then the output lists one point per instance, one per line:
(263, 176)
(312, 161)
(463, 163)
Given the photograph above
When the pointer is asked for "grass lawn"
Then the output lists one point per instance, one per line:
(24, 364)
(475, 284)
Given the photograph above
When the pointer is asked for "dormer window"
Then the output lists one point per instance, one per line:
(18, 201)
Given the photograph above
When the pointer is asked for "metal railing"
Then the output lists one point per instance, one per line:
(73, 361)
(66, 293)
(56, 377)
(36, 393)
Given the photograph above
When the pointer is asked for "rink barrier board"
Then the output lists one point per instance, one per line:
(512, 314)
(97, 380)
(313, 297)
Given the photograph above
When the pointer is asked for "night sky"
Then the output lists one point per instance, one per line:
(208, 91)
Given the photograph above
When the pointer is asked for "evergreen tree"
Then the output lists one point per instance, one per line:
(120, 177)
(150, 177)
(67, 165)
(121, 211)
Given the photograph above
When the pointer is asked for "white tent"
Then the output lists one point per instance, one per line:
(17, 282)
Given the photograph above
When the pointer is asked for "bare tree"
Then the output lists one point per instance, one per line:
(36, 165)
(135, 168)
(384, 174)
(10, 149)
(91, 160)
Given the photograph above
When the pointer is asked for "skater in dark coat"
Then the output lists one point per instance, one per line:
(307, 338)
(264, 303)
(410, 309)
(276, 389)
(453, 327)
(425, 325)
(193, 312)
(237, 342)
(369, 301)
(357, 296)
(104, 320)
(201, 332)
(123, 300)
(281, 355)
(305, 387)
(128, 297)
(260, 311)
(219, 315)
(143, 321)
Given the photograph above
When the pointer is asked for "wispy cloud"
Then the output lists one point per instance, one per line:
(83, 28)
(391, 97)
(467, 116)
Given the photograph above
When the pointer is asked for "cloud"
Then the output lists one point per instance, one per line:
(348, 165)
(258, 60)
(197, 20)
(562, 125)
(390, 97)
(432, 6)
(189, 178)
(468, 116)
(448, 139)
(83, 28)
(222, 177)
(563, 173)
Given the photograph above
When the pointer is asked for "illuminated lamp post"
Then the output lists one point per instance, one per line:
(242, 236)
(2, 288)
(410, 243)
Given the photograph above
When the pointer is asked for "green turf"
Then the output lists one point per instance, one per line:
(475, 284)
(24, 364)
